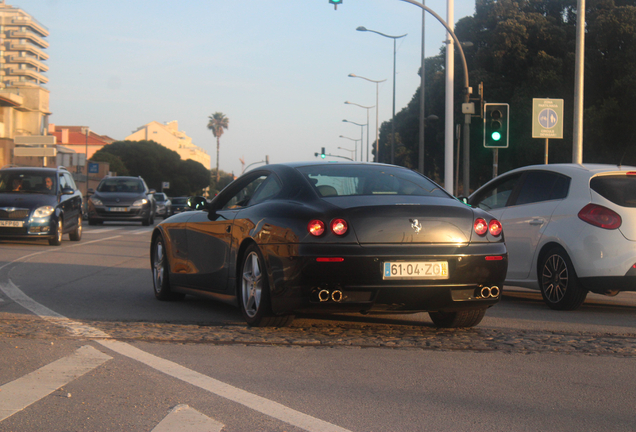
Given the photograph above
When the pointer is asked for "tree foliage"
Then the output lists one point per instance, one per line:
(218, 123)
(525, 49)
(115, 163)
(156, 164)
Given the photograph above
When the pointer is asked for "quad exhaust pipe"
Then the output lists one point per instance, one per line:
(491, 292)
(326, 295)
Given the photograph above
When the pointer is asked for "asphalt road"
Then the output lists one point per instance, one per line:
(85, 346)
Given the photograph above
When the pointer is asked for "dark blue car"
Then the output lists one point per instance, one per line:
(39, 203)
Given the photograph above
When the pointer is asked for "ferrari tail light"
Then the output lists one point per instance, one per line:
(339, 226)
(316, 227)
(600, 216)
(480, 226)
(495, 227)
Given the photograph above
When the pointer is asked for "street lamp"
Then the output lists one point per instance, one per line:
(353, 152)
(367, 108)
(361, 28)
(361, 133)
(377, 129)
(355, 144)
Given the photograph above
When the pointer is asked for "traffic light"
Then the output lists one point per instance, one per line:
(322, 153)
(496, 121)
(335, 3)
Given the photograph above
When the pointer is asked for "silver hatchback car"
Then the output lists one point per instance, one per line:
(570, 229)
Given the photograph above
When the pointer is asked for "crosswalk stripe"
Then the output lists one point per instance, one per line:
(19, 394)
(182, 418)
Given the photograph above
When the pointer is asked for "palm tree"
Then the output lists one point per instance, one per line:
(217, 124)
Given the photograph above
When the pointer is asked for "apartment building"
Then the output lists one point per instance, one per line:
(24, 102)
(169, 136)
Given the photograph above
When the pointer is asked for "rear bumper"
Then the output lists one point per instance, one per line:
(297, 279)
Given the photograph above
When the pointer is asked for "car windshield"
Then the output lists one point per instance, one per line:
(619, 189)
(120, 185)
(347, 180)
(28, 182)
(160, 197)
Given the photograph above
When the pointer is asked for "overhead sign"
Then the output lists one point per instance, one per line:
(35, 140)
(547, 118)
(35, 151)
(93, 168)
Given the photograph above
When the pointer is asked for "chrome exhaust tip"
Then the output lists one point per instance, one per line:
(485, 292)
(336, 296)
(494, 291)
(323, 295)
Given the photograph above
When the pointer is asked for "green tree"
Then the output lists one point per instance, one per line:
(156, 164)
(218, 123)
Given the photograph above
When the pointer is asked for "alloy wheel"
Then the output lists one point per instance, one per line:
(252, 285)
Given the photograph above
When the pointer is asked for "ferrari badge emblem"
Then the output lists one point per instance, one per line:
(416, 225)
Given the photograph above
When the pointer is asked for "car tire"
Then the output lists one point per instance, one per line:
(59, 232)
(560, 286)
(254, 294)
(76, 234)
(160, 272)
(463, 318)
(146, 222)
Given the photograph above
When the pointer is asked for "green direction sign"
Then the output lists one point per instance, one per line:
(547, 118)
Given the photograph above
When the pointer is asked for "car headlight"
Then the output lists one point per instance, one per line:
(43, 212)
(96, 201)
(140, 202)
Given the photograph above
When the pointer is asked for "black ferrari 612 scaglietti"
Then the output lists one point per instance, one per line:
(333, 237)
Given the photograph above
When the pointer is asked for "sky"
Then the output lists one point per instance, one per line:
(277, 70)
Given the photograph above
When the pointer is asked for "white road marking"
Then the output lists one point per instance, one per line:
(257, 403)
(19, 394)
(182, 418)
(141, 231)
(99, 230)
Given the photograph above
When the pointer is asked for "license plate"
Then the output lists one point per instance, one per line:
(118, 209)
(14, 224)
(416, 270)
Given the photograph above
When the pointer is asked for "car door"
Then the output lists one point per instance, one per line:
(70, 204)
(210, 236)
(527, 215)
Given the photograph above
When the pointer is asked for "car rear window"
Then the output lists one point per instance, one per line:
(120, 185)
(331, 180)
(619, 189)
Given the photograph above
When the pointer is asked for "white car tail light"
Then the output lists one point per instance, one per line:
(600, 216)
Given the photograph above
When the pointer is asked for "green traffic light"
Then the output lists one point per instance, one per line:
(496, 136)
(322, 155)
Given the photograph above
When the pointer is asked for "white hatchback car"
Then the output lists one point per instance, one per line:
(570, 229)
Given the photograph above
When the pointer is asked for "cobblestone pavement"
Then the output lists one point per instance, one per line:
(326, 334)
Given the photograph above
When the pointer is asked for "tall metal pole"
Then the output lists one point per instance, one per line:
(377, 126)
(577, 141)
(422, 101)
(361, 146)
(449, 117)
(395, 38)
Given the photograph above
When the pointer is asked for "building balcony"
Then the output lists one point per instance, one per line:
(31, 61)
(20, 34)
(31, 22)
(28, 73)
(17, 46)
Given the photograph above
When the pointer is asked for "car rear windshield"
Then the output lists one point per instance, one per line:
(619, 189)
(28, 182)
(348, 180)
(120, 185)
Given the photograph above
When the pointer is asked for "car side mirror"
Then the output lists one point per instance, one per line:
(68, 191)
(197, 203)
(152, 191)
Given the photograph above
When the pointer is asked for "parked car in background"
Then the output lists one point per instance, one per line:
(122, 199)
(569, 228)
(179, 204)
(333, 237)
(39, 203)
(164, 205)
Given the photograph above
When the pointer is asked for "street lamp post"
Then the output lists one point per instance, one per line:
(353, 152)
(361, 133)
(377, 129)
(395, 38)
(361, 149)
